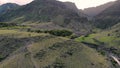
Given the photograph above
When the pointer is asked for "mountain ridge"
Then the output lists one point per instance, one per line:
(93, 11)
(54, 11)
(109, 16)
(8, 6)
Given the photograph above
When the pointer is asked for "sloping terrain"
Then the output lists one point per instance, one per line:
(93, 11)
(109, 37)
(74, 7)
(45, 11)
(109, 16)
(42, 11)
(8, 6)
(33, 50)
(107, 42)
(42, 34)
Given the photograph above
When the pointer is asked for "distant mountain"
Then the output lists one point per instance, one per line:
(40, 11)
(109, 16)
(74, 7)
(93, 11)
(71, 6)
(7, 6)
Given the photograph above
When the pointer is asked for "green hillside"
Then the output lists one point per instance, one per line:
(54, 34)
(109, 38)
(36, 50)
(41, 11)
(48, 11)
(6, 7)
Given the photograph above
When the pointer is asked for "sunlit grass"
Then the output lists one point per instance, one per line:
(19, 34)
(104, 37)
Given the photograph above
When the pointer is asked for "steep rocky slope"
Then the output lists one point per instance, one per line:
(8, 6)
(109, 16)
(93, 11)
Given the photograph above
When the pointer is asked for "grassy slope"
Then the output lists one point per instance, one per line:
(109, 39)
(46, 51)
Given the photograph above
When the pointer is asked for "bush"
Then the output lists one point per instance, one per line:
(53, 32)
(73, 36)
(60, 32)
(2, 57)
(7, 24)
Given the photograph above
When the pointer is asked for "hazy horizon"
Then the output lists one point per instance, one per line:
(79, 3)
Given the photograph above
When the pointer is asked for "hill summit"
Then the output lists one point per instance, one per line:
(40, 11)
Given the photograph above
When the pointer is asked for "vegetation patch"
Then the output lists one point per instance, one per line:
(63, 33)
(7, 24)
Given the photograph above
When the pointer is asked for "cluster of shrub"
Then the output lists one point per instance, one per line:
(7, 24)
(63, 32)
(60, 32)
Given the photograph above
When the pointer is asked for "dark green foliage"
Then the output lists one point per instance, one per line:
(102, 52)
(7, 24)
(87, 35)
(29, 30)
(58, 65)
(54, 32)
(38, 31)
(55, 46)
(2, 57)
(40, 54)
(114, 63)
(69, 53)
(60, 32)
